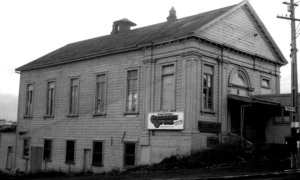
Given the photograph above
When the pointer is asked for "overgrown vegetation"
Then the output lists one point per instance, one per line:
(5, 175)
(223, 155)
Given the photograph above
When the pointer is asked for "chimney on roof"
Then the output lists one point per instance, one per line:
(172, 15)
(122, 25)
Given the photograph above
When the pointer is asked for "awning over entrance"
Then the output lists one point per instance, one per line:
(251, 100)
(249, 116)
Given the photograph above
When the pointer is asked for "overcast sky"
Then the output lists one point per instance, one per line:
(32, 28)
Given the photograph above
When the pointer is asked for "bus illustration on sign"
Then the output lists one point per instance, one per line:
(168, 120)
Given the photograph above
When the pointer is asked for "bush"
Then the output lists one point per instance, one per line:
(5, 175)
(228, 153)
(224, 153)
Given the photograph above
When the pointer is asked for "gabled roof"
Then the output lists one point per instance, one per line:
(109, 44)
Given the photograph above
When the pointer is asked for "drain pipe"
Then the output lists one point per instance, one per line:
(242, 118)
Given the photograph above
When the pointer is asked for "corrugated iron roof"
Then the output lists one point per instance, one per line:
(111, 43)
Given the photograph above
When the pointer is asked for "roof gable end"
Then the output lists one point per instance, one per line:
(258, 25)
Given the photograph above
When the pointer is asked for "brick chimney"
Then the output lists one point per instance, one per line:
(122, 25)
(172, 15)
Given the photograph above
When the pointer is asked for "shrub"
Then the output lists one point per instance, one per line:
(6, 175)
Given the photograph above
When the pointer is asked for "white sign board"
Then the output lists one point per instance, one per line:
(289, 108)
(166, 120)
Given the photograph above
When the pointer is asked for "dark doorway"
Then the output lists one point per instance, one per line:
(36, 159)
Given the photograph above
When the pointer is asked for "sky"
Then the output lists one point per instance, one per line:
(30, 29)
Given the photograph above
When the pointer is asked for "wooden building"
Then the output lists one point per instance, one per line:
(139, 95)
(7, 147)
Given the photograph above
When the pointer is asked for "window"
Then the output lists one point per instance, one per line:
(239, 78)
(26, 148)
(97, 154)
(132, 91)
(73, 107)
(47, 149)
(29, 100)
(208, 77)
(129, 154)
(70, 151)
(9, 158)
(265, 83)
(167, 87)
(100, 94)
(50, 98)
(283, 118)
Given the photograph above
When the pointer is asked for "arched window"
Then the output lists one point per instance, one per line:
(238, 78)
(239, 82)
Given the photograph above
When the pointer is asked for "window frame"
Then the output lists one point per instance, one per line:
(136, 112)
(74, 152)
(70, 113)
(212, 109)
(51, 150)
(134, 156)
(162, 65)
(102, 154)
(51, 115)
(281, 117)
(9, 150)
(29, 113)
(96, 94)
(268, 82)
(27, 148)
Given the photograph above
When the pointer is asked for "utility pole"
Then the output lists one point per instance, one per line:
(294, 86)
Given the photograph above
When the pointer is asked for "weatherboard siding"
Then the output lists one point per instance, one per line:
(115, 127)
(238, 30)
(85, 127)
(7, 139)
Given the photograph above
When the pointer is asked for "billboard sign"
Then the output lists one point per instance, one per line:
(165, 120)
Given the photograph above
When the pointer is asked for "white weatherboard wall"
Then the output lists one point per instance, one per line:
(7, 139)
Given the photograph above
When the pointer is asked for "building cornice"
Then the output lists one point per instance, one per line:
(157, 44)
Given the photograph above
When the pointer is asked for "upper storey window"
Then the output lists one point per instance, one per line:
(265, 83)
(74, 88)
(167, 87)
(132, 91)
(50, 98)
(29, 101)
(239, 79)
(240, 83)
(100, 94)
(208, 77)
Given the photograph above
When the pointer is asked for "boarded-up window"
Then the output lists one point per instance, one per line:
(100, 94)
(129, 154)
(47, 149)
(167, 89)
(50, 98)
(70, 151)
(132, 91)
(208, 87)
(73, 108)
(29, 100)
(97, 154)
(26, 148)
